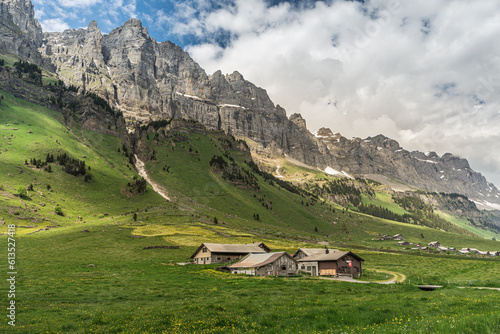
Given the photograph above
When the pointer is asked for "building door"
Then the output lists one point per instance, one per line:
(313, 271)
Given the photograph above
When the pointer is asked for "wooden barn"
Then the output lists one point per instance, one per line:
(222, 253)
(333, 263)
(267, 264)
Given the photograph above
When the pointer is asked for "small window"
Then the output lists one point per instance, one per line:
(218, 258)
(308, 268)
(229, 259)
(205, 249)
(283, 267)
(303, 267)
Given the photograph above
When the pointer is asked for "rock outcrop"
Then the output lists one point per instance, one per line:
(428, 171)
(20, 32)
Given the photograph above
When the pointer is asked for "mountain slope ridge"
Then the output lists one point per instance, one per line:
(148, 80)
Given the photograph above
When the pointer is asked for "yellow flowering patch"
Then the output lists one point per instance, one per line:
(194, 235)
(159, 230)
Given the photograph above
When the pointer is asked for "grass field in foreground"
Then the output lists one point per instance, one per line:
(132, 290)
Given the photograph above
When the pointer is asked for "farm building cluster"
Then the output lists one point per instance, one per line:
(437, 246)
(258, 260)
(388, 237)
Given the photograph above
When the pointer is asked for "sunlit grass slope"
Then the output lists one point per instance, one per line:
(30, 132)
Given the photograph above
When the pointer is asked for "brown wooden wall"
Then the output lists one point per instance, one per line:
(327, 268)
(343, 266)
(275, 268)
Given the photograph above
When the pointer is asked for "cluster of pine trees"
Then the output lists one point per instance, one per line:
(128, 154)
(234, 173)
(34, 72)
(218, 162)
(69, 165)
(39, 163)
(340, 188)
(59, 84)
(138, 185)
(156, 124)
(101, 102)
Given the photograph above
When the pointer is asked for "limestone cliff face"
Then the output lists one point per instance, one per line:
(20, 32)
(150, 80)
(77, 56)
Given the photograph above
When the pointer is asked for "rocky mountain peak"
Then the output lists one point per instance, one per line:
(93, 26)
(455, 162)
(234, 77)
(299, 121)
(324, 132)
(432, 155)
(132, 29)
(384, 142)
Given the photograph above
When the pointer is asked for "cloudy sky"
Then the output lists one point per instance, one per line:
(426, 73)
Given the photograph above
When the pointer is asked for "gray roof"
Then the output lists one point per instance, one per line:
(332, 256)
(312, 251)
(258, 260)
(231, 248)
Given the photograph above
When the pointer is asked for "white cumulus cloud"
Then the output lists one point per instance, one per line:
(54, 25)
(78, 3)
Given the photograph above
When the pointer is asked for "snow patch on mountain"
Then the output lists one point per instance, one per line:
(334, 172)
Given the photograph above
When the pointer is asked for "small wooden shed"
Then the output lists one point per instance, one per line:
(268, 264)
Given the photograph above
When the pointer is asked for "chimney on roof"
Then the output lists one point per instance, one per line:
(326, 250)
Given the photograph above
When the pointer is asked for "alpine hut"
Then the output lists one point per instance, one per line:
(222, 253)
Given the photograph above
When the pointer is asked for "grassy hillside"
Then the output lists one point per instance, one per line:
(93, 275)
(32, 132)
